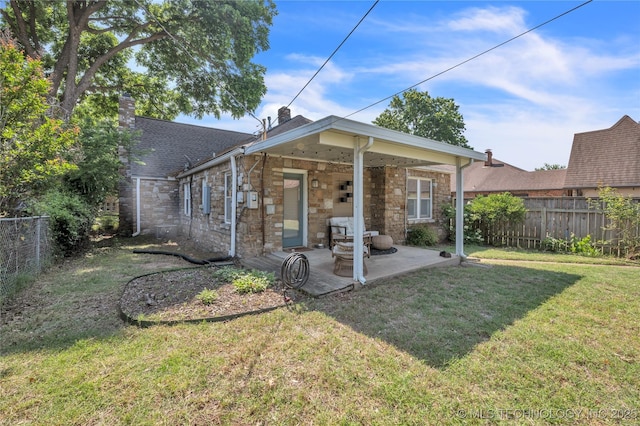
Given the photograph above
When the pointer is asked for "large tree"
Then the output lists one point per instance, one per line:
(35, 149)
(419, 114)
(194, 57)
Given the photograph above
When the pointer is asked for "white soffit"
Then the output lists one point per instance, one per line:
(332, 139)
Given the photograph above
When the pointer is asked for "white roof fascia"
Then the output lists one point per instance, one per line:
(213, 162)
(357, 128)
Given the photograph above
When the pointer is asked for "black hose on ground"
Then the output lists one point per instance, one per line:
(185, 257)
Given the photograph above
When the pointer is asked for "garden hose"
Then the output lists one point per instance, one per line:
(185, 257)
(295, 270)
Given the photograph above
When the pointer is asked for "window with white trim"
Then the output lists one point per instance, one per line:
(186, 189)
(419, 193)
(228, 185)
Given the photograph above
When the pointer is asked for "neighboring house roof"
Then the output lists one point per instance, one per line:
(608, 157)
(497, 176)
(166, 147)
(293, 123)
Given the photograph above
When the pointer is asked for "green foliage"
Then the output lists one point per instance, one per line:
(97, 173)
(105, 223)
(226, 274)
(70, 222)
(472, 234)
(207, 296)
(574, 245)
(419, 114)
(253, 281)
(198, 60)
(498, 208)
(421, 235)
(548, 166)
(35, 150)
(624, 218)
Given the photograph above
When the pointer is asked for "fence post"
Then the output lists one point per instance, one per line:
(38, 232)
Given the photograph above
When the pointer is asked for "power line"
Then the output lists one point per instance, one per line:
(334, 52)
(473, 57)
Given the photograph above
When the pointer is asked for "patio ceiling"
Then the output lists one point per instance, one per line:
(333, 139)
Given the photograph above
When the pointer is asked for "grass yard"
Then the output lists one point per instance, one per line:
(522, 342)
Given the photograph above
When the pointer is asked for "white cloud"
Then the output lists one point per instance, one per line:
(505, 20)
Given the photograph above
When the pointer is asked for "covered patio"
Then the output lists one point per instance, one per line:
(336, 140)
(380, 268)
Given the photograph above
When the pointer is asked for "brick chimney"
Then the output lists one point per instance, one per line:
(126, 189)
(489, 161)
(127, 112)
(284, 115)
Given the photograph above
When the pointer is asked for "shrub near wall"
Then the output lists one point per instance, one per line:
(421, 236)
(70, 220)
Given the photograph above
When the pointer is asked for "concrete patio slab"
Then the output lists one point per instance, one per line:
(323, 281)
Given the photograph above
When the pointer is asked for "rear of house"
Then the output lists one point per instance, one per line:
(250, 195)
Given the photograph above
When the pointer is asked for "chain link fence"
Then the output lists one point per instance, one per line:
(25, 249)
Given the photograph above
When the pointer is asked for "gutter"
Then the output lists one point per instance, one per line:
(213, 162)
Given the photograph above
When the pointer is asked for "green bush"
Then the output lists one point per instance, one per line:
(624, 218)
(582, 246)
(70, 219)
(497, 208)
(207, 296)
(421, 235)
(253, 281)
(472, 234)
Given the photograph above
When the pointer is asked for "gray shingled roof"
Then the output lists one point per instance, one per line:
(164, 145)
(609, 157)
(503, 177)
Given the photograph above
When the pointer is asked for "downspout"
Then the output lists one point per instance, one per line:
(138, 228)
(358, 208)
(460, 208)
(262, 206)
(234, 205)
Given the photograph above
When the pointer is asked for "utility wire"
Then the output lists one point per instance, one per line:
(472, 58)
(182, 47)
(334, 52)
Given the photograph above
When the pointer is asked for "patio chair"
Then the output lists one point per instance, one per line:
(343, 253)
(341, 230)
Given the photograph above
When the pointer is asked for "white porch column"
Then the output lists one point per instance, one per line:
(460, 209)
(358, 208)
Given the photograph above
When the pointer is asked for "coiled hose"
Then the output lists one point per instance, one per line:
(295, 270)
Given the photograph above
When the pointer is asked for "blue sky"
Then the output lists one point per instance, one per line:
(524, 100)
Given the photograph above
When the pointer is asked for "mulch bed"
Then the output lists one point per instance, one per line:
(170, 296)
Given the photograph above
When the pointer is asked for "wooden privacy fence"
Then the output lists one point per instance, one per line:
(559, 218)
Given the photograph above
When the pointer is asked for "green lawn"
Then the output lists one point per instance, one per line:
(538, 342)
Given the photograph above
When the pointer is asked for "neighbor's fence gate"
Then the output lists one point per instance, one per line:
(25, 249)
(559, 218)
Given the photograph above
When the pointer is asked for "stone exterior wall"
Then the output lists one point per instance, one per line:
(208, 230)
(260, 230)
(441, 195)
(159, 204)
